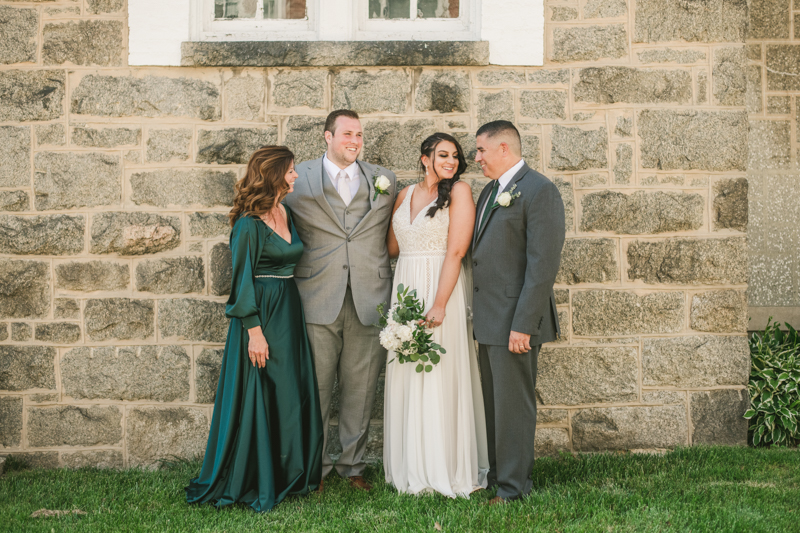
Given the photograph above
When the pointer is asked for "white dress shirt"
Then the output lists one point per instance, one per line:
(332, 170)
(502, 182)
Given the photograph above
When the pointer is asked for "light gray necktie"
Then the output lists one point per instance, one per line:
(343, 187)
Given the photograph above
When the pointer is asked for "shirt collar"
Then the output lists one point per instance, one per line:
(333, 170)
(506, 177)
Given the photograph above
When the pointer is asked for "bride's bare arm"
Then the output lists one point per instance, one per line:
(391, 240)
(459, 237)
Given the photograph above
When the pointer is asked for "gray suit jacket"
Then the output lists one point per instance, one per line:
(331, 254)
(515, 260)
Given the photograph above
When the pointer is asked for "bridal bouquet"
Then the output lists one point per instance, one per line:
(404, 331)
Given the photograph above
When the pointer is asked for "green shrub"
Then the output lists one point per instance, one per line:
(774, 386)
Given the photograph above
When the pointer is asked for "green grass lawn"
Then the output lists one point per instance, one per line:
(691, 489)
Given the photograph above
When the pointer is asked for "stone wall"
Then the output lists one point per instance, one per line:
(773, 87)
(115, 182)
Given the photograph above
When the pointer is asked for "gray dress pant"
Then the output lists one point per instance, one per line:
(352, 351)
(509, 399)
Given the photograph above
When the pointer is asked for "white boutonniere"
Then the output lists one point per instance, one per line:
(506, 199)
(381, 184)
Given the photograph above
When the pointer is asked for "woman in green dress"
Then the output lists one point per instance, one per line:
(266, 433)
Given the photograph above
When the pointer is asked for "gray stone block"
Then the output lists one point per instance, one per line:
(770, 145)
(300, 88)
(39, 460)
(729, 76)
(20, 28)
(722, 311)
(153, 433)
(233, 145)
(601, 9)
(495, 76)
(578, 149)
(753, 95)
(69, 425)
(677, 20)
(84, 42)
(14, 201)
(562, 296)
(149, 96)
(730, 210)
(209, 225)
(623, 166)
(66, 308)
(671, 55)
(611, 85)
(101, 7)
(663, 397)
(395, 145)
(783, 67)
(30, 95)
(551, 416)
(306, 137)
(10, 417)
(561, 14)
(192, 319)
(574, 376)
(58, 332)
(693, 140)
(134, 233)
(24, 289)
(718, 417)
(753, 51)
(207, 368)
(372, 92)
(445, 91)
(769, 19)
(244, 97)
(171, 275)
(221, 269)
(779, 105)
(20, 331)
(3, 331)
(695, 362)
(15, 158)
(702, 86)
(106, 459)
(167, 144)
(543, 104)
(589, 43)
(170, 187)
(607, 312)
(27, 367)
(119, 319)
(130, 373)
(588, 261)
(549, 77)
(550, 442)
(106, 137)
(629, 428)
(592, 180)
(624, 126)
(642, 212)
(689, 261)
(69, 180)
(497, 105)
(565, 189)
(52, 134)
(92, 276)
(531, 151)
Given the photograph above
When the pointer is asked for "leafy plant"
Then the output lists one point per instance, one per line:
(775, 386)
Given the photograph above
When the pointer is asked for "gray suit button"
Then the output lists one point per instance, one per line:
(476, 289)
(474, 263)
(344, 267)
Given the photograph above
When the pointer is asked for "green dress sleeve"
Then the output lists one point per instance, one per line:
(244, 255)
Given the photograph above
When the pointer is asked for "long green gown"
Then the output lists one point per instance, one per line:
(266, 433)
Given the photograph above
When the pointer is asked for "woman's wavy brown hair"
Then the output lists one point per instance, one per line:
(264, 186)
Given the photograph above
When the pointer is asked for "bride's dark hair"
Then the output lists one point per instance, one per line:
(445, 185)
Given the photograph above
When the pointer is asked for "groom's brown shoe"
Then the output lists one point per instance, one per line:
(495, 501)
(321, 485)
(358, 482)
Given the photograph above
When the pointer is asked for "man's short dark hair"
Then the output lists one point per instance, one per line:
(330, 122)
(491, 129)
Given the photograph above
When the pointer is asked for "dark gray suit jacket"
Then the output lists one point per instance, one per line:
(515, 260)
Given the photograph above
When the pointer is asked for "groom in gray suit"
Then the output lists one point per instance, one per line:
(344, 273)
(516, 251)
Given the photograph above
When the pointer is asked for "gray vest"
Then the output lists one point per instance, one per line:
(349, 215)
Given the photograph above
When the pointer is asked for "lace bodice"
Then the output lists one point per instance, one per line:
(423, 235)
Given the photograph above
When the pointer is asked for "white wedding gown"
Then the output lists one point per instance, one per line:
(434, 427)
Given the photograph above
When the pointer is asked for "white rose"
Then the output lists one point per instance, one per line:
(405, 333)
(383, 183)
(504, 199)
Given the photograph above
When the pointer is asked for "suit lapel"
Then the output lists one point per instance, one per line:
(482, 199)
(316, 173)
(518, 176)
(368, 170)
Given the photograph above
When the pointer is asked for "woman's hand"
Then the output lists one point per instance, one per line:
(435, 316)
(258, 347)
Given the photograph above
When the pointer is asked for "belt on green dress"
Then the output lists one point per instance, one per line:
(271, 276)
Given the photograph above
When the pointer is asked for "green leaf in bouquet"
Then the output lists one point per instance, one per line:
(428, 368)
(419, 368)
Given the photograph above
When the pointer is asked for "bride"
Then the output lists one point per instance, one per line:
(434, 427)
